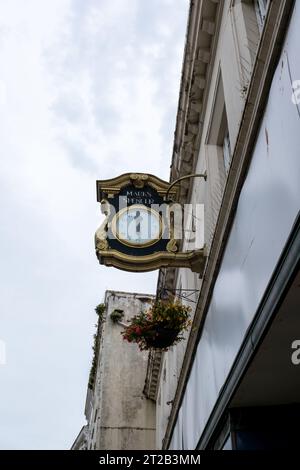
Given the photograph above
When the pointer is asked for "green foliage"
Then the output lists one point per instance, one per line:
(117, 315)
(172, 316)
(100, 311)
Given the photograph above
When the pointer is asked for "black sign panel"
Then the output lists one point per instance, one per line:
(146, 197)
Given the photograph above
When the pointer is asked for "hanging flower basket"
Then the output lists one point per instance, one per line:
(161, 337)
(160, 327)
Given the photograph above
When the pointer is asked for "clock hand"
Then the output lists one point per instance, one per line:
(138, 219)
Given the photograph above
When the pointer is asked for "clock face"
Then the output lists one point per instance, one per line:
(137, 226)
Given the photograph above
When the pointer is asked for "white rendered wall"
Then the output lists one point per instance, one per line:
(268, 205)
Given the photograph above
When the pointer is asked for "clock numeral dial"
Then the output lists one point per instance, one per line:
(137, 225)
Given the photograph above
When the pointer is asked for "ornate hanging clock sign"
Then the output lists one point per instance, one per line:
(138, 231)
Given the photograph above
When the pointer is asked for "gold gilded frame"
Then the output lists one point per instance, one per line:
(171, 258)
(127, 209)
(111, 187)
(194, 260)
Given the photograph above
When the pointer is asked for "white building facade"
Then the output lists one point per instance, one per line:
(119, 415)
(238, 120)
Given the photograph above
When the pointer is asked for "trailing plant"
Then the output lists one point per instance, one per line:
(158, 327)
(96, 344)
(100, 310)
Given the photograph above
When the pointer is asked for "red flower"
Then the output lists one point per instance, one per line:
(172, 315)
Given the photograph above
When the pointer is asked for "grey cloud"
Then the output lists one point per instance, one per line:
(52, 280)
(78, 155)
(69, 107)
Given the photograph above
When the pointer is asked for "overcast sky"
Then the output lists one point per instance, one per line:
(88, 90)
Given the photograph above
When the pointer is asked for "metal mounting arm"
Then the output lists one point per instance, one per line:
(193, 175)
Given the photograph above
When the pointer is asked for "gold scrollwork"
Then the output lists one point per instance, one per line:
(114, 185)
(195, 260)
(172, 246)
(101, 243)
(138, 180)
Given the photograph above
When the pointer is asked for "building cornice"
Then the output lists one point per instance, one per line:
(80, 442)
(199, 55)
(152, 376)
(202, 33)
(266, 61)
